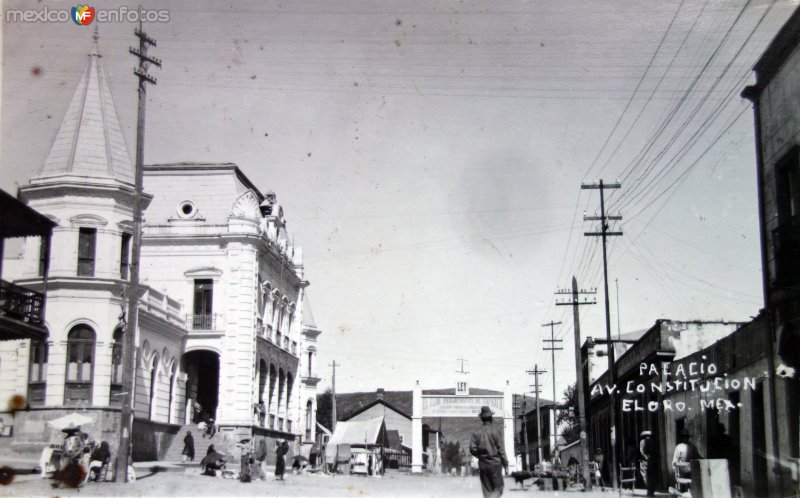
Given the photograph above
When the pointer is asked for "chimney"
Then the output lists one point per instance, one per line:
(379, 393)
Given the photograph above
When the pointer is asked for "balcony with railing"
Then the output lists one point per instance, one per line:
(20, 303)
(202, 323)
(21, 308)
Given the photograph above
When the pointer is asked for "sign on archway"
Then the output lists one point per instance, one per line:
(462, 406)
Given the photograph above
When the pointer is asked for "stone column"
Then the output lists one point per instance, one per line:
(416, 430)
(102, 373)
(56, 373)
(281, 406)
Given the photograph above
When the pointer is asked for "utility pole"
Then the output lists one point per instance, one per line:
(579, 387)
(553, 348)
(536, 373)
(129, 345)
(604, 233)
(333, 394)
(525, 465)
(524, 407)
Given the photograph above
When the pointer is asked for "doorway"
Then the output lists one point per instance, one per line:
(202, 382)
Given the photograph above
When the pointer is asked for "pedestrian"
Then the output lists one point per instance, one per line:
(100, 456)
(197, 410)
(685, 452)
(246, 461)
(648, 465)
(312, 455)
(261, 409)
(487, 446)
(188, 447)
(598, 467)
(465, 460)
(281, 449)
(720, 445)
(261, 459)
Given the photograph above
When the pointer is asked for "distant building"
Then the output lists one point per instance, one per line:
(223, 318)
(776, 103)
(528, 428)
(396, 406)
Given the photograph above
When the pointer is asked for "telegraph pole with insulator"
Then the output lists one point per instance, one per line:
(129, 345)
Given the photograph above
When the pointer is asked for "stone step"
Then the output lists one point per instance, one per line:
(201, 444)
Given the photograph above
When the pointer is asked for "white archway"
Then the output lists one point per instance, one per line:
(460, 405)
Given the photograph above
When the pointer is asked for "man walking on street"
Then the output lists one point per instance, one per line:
(487, 446)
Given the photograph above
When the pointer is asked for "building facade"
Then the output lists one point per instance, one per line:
(223, 313)
(776, 104)
(643, 373)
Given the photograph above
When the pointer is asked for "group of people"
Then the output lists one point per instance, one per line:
(645, 459)
(205, 423)
(81, 460)
(253, 459)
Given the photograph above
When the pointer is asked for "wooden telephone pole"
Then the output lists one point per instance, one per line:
(553, 348)
(129, 345)
(536, 373)
(333, 394)
(524, 407)
(604, 233)
(580, 389)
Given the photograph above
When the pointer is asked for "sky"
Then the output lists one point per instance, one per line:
(429, 156)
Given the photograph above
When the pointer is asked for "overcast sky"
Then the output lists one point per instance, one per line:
(429, 157)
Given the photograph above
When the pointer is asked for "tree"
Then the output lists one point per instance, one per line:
(324, 405)
(451, 456)
(568, 415)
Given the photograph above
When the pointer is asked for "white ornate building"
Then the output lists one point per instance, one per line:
(223, 317)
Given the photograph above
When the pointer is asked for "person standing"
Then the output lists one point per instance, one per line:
(598, 467)
(720, 445)
(648, 466)
(281, 450)
(188, 447)
(487, 446)
(261, 458)
(685, 452)
(262, 412)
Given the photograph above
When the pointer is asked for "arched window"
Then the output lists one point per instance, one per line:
(37, 375)
(289, 417)
(115, 398)
(309, 419)
(80, 365)
(154, 386)
(172, 379)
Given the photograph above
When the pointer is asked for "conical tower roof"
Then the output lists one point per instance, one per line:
(90, 142)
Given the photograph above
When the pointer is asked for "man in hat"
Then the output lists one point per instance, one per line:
(487, 446)
(648, 465)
